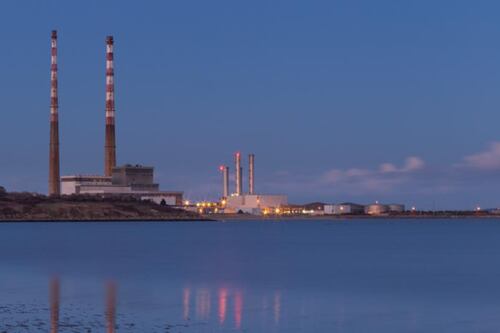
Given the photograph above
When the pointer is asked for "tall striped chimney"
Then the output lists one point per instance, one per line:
(225, 180)
(110, 144)
(54, 176)
(251, 165)
(239, 183)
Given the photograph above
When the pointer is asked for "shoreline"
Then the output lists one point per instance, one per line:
(26, 207)
(109, 220)
(222, 217)
(245, 217)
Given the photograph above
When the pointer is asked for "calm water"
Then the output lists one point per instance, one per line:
(301, 276)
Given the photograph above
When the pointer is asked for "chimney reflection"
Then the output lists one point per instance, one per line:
(54, 304)
(186, 294)
(238, 309)
(110, 307)
(228, 303)
(203, 304)
(222, 305)
(277, 307)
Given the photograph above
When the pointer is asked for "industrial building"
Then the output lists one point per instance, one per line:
(348, 208)
(344, 209)
(379, 209)
(130, 180)
(310, 209)
(376, 209)
(250, 202)
(255, 204)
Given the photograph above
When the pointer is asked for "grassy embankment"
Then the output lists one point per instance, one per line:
(36, 207)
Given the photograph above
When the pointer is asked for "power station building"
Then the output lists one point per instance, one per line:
(344, 209)
(130, 180)
(255, 203)
(250, 202)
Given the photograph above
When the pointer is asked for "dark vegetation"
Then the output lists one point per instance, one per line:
(36, 207)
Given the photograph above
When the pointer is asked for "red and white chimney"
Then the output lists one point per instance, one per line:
(54, 174)
(110, 144)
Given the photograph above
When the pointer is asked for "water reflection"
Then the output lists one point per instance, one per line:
(54, 294)
(203, 304)
(230, 302)
(186, 294)
(361, 286)
(277, 307)
(238, 309)
(222, 305)
(228, 307)
(110, 307)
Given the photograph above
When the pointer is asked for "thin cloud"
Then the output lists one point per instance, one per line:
(412, 180)
(412, 164)
(383, 179)
(488, 160)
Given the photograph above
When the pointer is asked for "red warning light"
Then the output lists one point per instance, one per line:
(221, 168)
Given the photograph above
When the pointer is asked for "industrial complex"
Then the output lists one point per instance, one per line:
(131, 180)
(249, 202)
(137, 181)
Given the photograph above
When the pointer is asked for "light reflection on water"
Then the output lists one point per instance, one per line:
(203, 305)
(192, 298)
(186, 302)
(222, 305)
(356, 276)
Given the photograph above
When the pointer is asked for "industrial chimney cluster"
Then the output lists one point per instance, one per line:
(130, 180)
(110, 144)
(238, 176)
(249, 202)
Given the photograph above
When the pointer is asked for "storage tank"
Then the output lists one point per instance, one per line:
(396, 208)
(376, 209)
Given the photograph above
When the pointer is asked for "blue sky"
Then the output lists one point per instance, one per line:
(339, 100)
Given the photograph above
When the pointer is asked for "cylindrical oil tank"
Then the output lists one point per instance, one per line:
(376, 209)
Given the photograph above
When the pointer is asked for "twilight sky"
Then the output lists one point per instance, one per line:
(351, 100)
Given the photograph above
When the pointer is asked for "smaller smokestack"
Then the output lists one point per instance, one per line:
(225, 180)
(251, 165)
(239, 182)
